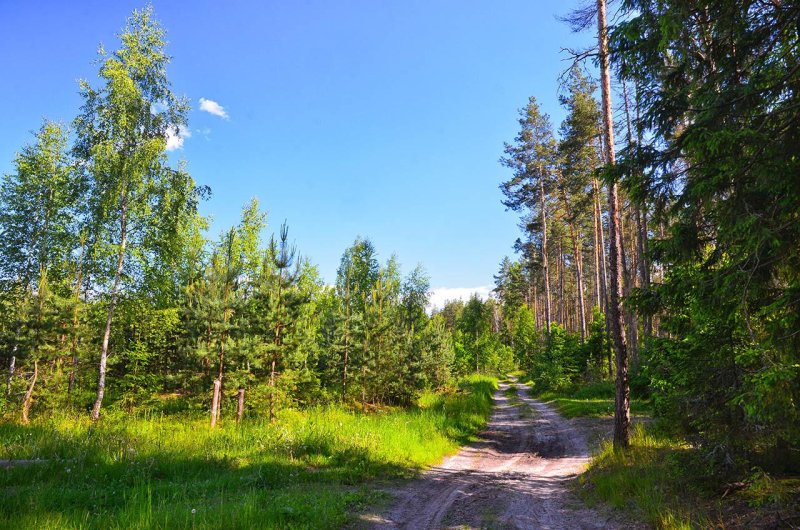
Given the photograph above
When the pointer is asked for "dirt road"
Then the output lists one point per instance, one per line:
(516, 476)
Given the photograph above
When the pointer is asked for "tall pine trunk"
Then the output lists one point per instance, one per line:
(640, 218)
(629, 316)
(576, 251)
(545, 261)
(622, 398)
(562, 316)
(644, 267)
(240, 406)
(631, 264)
(597, 225)
(601, 238)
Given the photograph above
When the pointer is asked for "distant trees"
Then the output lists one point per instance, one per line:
(554, 188)
(532, 158)
(106, 276)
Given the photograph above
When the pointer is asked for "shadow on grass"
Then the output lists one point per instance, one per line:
(179, 492)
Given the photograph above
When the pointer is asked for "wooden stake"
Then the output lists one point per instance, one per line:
(215, 403)
(240, 408)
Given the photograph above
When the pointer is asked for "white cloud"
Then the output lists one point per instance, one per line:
(212, 107)
(175, 141)
(440, 295)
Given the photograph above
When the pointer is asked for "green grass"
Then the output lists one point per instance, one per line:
(308, 470)
(649, 478)
(512, 393)
(595, 400)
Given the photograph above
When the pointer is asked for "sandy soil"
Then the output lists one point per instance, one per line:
(516, 476)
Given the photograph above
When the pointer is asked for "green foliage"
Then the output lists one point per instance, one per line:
(526, 338)
(716, 155)
(555, 366)
(103, 251)
(145, 340)
(39, 213)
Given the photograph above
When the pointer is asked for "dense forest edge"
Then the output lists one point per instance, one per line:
(159, 377)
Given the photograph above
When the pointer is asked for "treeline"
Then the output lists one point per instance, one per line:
(112, 295)
(681, 229)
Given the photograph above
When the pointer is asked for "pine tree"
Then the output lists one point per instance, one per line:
(578, 162)
(284, 302)
(622, 407)
(718, 162)
(532, 159)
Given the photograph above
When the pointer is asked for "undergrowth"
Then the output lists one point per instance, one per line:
(666, 482)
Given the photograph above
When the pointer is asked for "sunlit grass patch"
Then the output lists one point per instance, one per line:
(598, 407)
(595, 400)
(308, 470)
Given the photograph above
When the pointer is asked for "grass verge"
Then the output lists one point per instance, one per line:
(663, 481)
(308, 470)
(645, 479)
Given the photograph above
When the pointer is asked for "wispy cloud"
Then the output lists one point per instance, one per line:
(205, 132)
(175, 140)
(441, 295)
(212, 107)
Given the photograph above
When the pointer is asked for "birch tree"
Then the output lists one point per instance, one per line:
(122, 138)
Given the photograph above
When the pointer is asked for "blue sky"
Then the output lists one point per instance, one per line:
(373, 118)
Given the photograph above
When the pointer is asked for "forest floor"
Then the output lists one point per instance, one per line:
(519, 474)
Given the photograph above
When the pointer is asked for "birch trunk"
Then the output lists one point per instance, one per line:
(26, 403)
(12, 368)
(101, 380)
(240, 407)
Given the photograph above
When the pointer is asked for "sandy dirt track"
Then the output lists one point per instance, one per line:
(516, 476)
